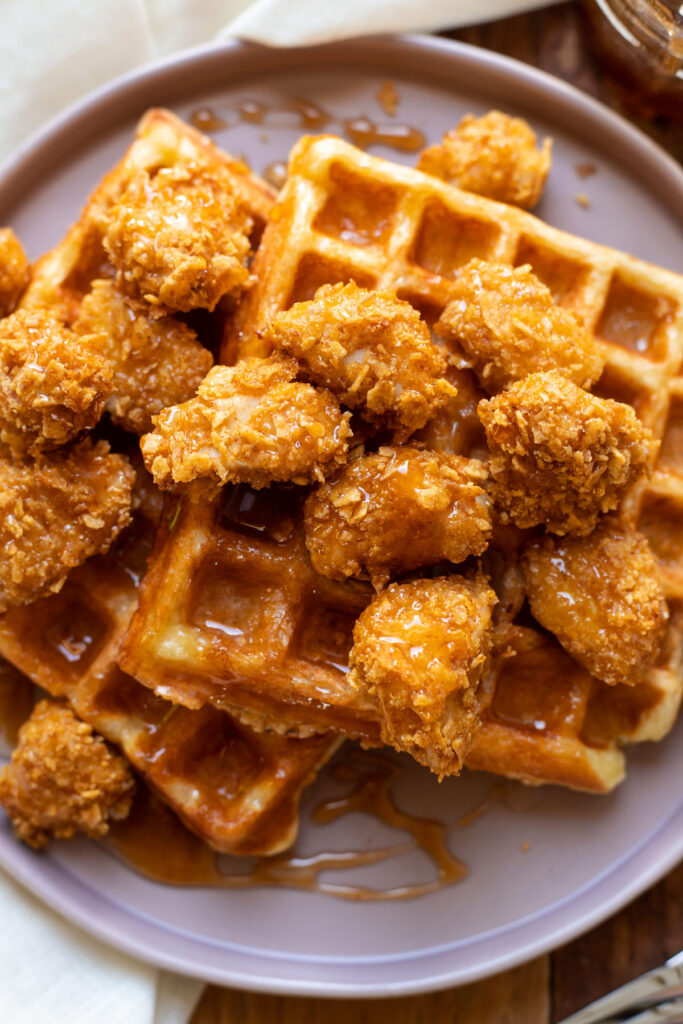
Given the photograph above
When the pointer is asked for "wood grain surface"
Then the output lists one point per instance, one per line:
(648, 931)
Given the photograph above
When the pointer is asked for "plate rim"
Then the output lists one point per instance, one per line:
(666, 840)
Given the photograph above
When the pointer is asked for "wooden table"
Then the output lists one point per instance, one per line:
(648, 931)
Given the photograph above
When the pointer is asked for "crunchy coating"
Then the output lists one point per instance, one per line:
(420, 649)
(397, 510)
(602, 598)
(15, 271)
(561, 456)
(495, 155)
(157, 361)
(505, 322)
(249, 424)
(63, 779)
(178, 238)
(53, 385)
(372, 349)
(56, 511)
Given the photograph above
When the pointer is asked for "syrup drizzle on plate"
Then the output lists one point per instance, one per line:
(154, 842)
(306, 115)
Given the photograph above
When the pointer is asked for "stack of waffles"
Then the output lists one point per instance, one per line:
(230, 575)
(239, 790)
(218, 664)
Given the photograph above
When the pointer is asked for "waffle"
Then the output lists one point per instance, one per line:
(237, 789)
(62, 277)
(231, 612)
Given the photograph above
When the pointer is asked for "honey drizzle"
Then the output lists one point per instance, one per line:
(306, 115)
(154, 842)
(17, 697)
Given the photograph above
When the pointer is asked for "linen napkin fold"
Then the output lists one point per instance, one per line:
(52, 54)
(53, 973)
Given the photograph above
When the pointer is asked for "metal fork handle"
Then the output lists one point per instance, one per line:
(664, 985)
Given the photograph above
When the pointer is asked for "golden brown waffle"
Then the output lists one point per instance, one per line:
(237, 789)
(63, 276)
(232, 613)
(344, 215)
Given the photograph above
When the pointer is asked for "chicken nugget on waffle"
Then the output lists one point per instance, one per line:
(249, 423)
(561, 456)
(178, 237)
(397, 510)
(371, 349)
(63, 779)
(495, 155)
(55, 512)
(15, 271)
(157, 361)
(602, 598)
(52, 384)
(419, 649)
(507, 325)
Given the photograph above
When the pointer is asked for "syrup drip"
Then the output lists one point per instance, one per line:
(306, 115)
(17, 697)
(154, 842)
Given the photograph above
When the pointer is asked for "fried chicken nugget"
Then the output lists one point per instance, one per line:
(249, 423)
(602, 598)
(420, 649)
(371, 349)
(55, 512)
(15, 271)
(178, 238)
(495, 155)
(397, 510)
(63, 779)
(52, 384)
(561, 456)
(157, 361)
(505, 322)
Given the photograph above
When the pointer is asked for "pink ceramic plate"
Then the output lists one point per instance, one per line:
(585, 856)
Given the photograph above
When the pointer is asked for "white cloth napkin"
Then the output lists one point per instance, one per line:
(51, 54)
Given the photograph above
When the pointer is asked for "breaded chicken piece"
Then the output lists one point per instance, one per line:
(15, 271)
(56, 511)
(63, 779)
(369, 347)
(602, 598)
(561, 456)
(178, 238)
(248, 424)
(157, 361)
(397, 510)
(495, 155)
(505, 322)
(53, 385)
(420, 649)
